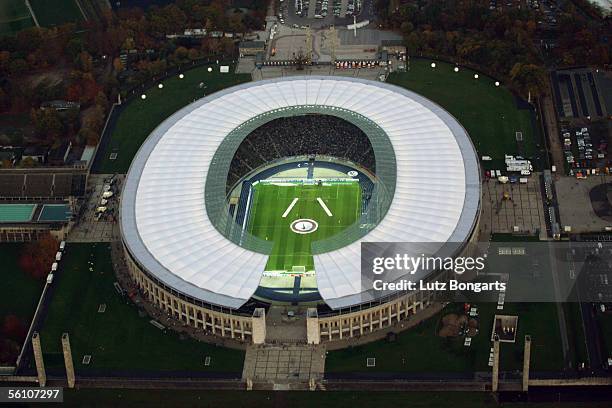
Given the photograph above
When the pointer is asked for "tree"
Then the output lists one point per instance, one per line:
(14, 328)
(529, 78)
(47, 122)
(18, 66)
(37, 256)
(181, 54)
(118, 65)
(85, 62)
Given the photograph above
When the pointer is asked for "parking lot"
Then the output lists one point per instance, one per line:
(522, 208)
(585, 149)
(92, 225)
(575, 207)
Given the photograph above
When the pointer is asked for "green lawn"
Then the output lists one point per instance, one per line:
(141, 117)
(19, 292)
(56, 12)
(420, 349)
(575, 333)
(118, 339)
(488, 113)
(605, 325)
(14, 17)
(270, 202)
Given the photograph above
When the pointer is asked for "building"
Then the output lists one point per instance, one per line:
(190, 260)
(29, 221)
(60, 106)
(38, 154)
(393, 47)
(42, 183)
(251, 48)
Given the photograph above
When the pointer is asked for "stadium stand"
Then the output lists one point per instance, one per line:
(38, 185)
(42, 183)
(311, 134)
(62, 185)
(11, 185)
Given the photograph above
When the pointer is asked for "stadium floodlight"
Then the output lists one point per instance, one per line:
(456, 69)
(433, 64)
(143, 97)
(496, 83)
(181, 76)
(160, 86)
(475, 76)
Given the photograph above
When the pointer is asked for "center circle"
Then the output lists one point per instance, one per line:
(304, 226)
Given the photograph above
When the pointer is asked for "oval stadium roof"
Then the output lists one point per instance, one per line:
(167, 230)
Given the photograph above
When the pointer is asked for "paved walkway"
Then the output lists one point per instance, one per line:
(279, 366)
(524, 210)
(284, 329)
(88, 227)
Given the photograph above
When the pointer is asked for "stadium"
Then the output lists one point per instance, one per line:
(263, 193)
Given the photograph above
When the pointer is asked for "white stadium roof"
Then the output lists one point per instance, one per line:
(166, 227)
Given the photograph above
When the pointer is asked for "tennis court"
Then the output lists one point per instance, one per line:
(16, 212)
(55, 212)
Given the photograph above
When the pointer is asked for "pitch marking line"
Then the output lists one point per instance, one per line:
(329, 214)
(288, 210)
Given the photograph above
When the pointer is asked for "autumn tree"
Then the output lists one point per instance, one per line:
(13, 328)
(529, 79)
(36, 257)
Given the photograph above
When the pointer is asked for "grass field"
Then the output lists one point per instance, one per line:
(488, 113)
(271, 202)
(14, 16)
(51, 13)
(420, 349)
(118, 339)
(140, 117)
(19, 292)
(605, 325)
(577, 344)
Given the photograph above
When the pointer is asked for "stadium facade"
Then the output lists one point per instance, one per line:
(190, 257)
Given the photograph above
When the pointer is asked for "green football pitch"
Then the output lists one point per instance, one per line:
(270, 201)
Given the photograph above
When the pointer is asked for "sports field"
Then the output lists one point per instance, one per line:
(140, 117)
(490, 114)
(51, 13)
(14, 16)
(333, 206)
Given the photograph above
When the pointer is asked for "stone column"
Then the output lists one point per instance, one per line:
(526, 362)
(68, 360)
(259, 325)
(313, 333)
(38, 358)
(495, 379)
